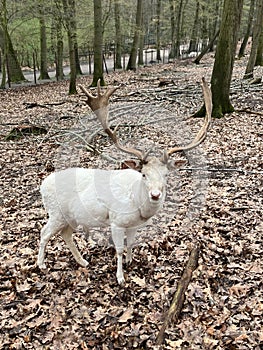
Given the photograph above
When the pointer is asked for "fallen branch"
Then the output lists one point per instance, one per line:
(178, 299)
(30, 105)
(226, 170)
(24, 130)
(244, 110)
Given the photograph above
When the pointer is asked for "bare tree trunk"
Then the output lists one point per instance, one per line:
(248, 32)
(206, 49)
(141, 46)
(69, 12)
(59, 51)
(225, 56)
(158, 30)
(98, 43)
(43, 45)
(135, 45)
(10, 66)
(224, 59)
(118, 45)
(76, 48)
(216, 16)
(172, 11)
(178, 29)
(193, 41)
(257, 29)
(259, 58)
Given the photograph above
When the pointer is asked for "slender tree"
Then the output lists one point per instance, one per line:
(259, 58)
(224, 59)
(257, 29)
(118, 46)
(69, 15)
(98, 43)
(207, 48)
(194, 36)
(11, 69)
(58, 45)
(249, 29)
(136, 39)
(178, 29)
(43, 44)
(158, 30)
(59, 49)
(225, 56)
(172, 19)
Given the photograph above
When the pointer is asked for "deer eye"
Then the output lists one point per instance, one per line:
(144, 176)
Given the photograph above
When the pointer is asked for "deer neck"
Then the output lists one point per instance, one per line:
(147, 208)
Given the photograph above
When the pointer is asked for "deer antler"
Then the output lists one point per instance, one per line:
(201, 135)
(99, 105)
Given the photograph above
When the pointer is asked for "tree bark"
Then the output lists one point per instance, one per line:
(98, 43)
(259, 58)
(59, 51)
(43, 46)
(9, 65)
(224, 59)
(141, 46)
(248, 31)
(178, 29)
(193, 41)
(136, 39)
(172, 19)
(257, 29)
(69, 13)
(118, 45)
(158, 30)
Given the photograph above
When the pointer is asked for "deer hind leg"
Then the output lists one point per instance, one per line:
(130, 236)
(66, 234)
(47, 232)
(118, 240)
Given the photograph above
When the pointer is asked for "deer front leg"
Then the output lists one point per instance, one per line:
(118, 240)
(130, 236)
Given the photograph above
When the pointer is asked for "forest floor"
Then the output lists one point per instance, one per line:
(215, 200)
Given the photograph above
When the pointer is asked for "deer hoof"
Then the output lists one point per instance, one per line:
(42, 266)
(121, 280)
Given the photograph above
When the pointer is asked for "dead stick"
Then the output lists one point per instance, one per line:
(178, 299)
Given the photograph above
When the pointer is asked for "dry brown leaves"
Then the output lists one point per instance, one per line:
(76, 308)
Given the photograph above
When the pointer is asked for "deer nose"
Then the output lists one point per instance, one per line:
(155, 195)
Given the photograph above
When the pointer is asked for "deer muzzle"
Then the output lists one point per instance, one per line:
(155, 195)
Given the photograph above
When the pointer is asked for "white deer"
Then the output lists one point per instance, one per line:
(121, 199)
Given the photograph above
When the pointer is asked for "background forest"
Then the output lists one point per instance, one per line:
(39, 34)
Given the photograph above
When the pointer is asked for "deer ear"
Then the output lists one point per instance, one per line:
(176, 164)
(131, 164)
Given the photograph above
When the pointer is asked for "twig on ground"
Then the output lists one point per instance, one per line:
(178, 299)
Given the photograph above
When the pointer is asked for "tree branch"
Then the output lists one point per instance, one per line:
(178, 299)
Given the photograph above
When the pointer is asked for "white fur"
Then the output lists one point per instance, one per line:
(122, 199)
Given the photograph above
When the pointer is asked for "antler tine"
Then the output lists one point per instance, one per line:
(99, 105)
(98, 88)
(86, 92)
(201, 135)
(110, 91)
